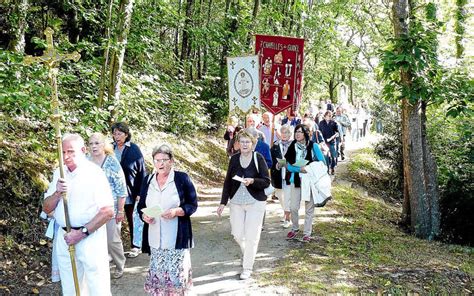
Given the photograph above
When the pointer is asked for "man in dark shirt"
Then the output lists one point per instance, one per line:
(329, 130)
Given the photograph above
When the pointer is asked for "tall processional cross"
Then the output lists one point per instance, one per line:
(51, 59)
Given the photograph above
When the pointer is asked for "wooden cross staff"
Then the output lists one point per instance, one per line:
(51, 58)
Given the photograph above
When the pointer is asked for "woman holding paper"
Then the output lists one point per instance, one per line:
(167, 200)
(278, 172)
(301, 152)
(244, 185)
(102, 154)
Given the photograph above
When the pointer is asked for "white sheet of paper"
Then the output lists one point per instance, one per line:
(301, 163)
(154, 212)
(281, 161)
(237, 178)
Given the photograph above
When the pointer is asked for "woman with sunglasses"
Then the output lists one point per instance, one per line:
(300, 150)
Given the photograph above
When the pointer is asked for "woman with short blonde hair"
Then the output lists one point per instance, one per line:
(247, 177)
(102, 154)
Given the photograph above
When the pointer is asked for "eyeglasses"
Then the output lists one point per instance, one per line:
(245, 142)
(161, 160)
(118, 133)
(300, 132)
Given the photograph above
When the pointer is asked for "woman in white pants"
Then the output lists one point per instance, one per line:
(301, 150)
(244, 186)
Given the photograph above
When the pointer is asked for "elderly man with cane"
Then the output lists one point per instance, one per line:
(90, 205)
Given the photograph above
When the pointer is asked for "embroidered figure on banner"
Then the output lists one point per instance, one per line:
(288, 67)
(278, 59)
(267, 67)
(243, 83)
(266, 87)
(275, 97)
(286, 91)
(276, 76)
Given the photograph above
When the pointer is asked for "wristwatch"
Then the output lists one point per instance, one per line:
(85, 230)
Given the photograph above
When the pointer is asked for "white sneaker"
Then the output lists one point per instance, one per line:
(245, 275)
(134, 252)
(286, 224)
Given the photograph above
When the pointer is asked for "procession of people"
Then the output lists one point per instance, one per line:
(107, 183)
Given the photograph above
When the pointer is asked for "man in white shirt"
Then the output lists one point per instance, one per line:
(90, 205)
(265, 128)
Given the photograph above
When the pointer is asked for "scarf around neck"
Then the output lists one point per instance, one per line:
(285, 145)
(300, 151)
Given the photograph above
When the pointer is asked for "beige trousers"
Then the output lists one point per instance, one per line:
(246, 223)
(114, 244)
(295, 203)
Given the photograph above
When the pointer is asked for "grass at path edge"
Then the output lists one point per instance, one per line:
(358, 248)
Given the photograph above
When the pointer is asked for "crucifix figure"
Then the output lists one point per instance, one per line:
(51, 58)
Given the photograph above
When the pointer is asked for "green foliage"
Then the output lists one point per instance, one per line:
(375, 174)
(23, 90)
(454, 151)
(389, 147)
(414, 54)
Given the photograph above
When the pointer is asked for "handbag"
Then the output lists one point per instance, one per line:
(270, 189)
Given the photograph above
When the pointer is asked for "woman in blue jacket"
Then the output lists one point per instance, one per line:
(133, 166)
(167, 234)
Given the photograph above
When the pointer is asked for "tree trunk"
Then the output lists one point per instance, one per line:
(351, 88)
(431, 177)
(420, 207)
(292, 16)
(176, 34)
(103, 71)
(256, 6)
(116, 64)
(332, 87)
(73, 24)
(418, 183)
(232, 28)
(406, 212)
(185, 42)
(18, 28)
(206, 45)
(459, 29)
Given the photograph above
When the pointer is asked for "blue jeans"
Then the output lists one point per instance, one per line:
(332, 158)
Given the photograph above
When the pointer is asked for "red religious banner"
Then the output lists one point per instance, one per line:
(281, 71)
